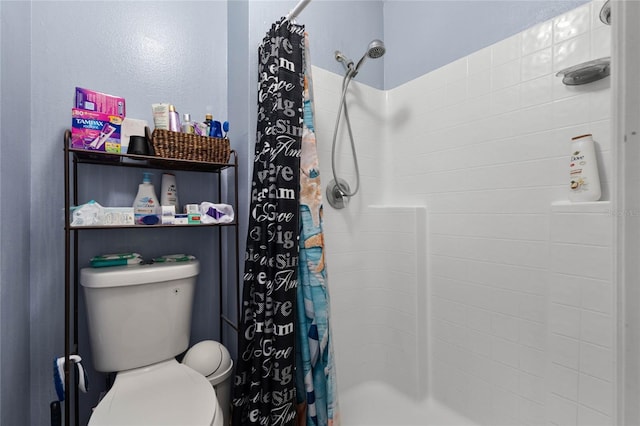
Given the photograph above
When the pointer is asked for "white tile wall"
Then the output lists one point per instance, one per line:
(520, 308)
(377, 302)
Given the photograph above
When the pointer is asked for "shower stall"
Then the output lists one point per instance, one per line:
(465, 288)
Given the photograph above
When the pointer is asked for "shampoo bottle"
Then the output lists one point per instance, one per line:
(169, 196)
(145, 206)
(584, 180)
(174, 119)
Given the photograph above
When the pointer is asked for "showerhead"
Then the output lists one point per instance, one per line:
(375, 50)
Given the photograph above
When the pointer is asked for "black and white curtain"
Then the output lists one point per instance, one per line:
(264, 386)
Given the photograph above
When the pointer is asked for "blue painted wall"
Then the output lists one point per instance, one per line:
(147, 51)
(15, 206)
(422, 36)
(200, 56)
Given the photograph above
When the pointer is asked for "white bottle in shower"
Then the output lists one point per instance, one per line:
(584, 180)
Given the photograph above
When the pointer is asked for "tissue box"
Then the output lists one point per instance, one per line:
(95, 131)
(131, 127)
(90, 100)
(93, 214)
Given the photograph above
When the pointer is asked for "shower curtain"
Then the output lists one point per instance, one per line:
(315, 371)
(264, 386)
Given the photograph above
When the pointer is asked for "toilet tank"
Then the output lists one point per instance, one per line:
(138, 314)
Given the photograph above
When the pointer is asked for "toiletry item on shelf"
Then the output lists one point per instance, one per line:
(181, 219)
(191, 208)
(160, 116)
(193, 218)
(169, 258)
(130, 127)
(91, 100)
(187, 124)
(208, 119)
(93, 214)
(200, 129)
(138, 145)
(169, 188)
(106, 131)
(95, 131)
(215, 213)
(168, 215)
(174, 119)
(145, 205)
(86, 214)
(216, 129)
(225, 127)
(583, 170)
(116, 259)
(116, 216)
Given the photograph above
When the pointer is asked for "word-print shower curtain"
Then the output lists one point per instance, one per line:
(264, 386)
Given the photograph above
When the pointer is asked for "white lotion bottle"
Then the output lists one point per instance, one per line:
(145, 206)
(187, 124)
(584, 180)
(169, 188)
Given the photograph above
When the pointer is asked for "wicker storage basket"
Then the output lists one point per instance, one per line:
(187, 146)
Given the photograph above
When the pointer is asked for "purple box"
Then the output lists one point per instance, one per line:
(99, 102)
(95, 131)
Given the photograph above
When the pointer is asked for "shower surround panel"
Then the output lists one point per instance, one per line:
(516, 336)
(375, 255)
(520, 316)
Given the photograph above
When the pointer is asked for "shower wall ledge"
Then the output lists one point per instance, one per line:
(396, 206)
(566, 206)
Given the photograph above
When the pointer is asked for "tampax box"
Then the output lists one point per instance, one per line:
(95, 131)
(91, 100)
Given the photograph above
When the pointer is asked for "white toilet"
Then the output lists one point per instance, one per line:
(139, 320)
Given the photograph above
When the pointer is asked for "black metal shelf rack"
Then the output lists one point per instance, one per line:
(73, 157)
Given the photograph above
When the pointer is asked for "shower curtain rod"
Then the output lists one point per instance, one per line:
(296, 10)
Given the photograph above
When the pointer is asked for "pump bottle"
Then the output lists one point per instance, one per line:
(145, 205)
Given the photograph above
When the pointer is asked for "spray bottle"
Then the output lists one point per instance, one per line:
(145, 206)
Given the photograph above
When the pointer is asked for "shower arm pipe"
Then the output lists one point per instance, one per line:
(296, 10)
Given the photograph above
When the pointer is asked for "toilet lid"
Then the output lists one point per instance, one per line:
(168, 393)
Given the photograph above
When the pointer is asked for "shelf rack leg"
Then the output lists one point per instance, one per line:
(67, 280)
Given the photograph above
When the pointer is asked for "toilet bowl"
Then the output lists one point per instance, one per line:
(167, 393)
(139, 319)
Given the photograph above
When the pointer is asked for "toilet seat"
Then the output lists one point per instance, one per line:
(167, 393)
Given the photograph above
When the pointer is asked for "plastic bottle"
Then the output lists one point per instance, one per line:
(169, 196)
(187, 125)
(215, 129)
(208, 119)
(145, 205)
(584, 180)
(174, 119)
